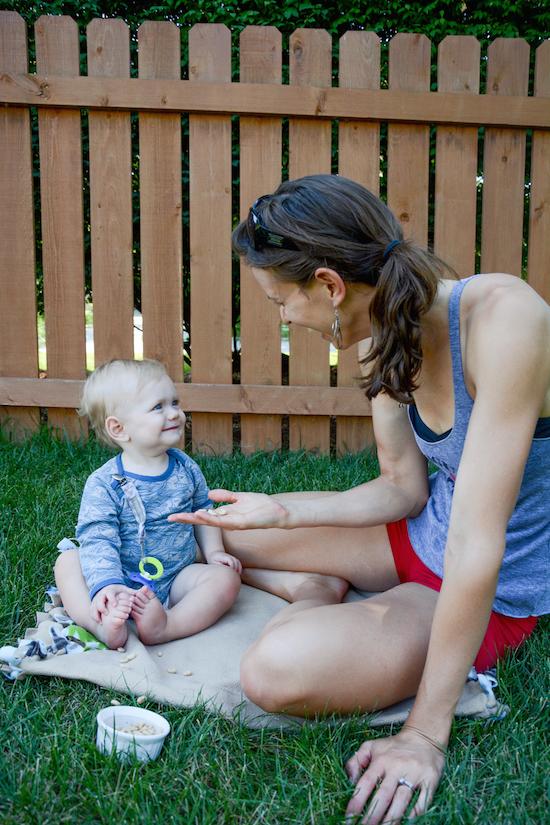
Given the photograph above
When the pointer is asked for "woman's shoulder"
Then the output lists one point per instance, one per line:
(497, 291)
(503, 305)
(507, 328)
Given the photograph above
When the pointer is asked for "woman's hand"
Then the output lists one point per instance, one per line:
(242, 511)
(379, 769)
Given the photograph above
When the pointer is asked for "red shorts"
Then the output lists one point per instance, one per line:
(503, 632)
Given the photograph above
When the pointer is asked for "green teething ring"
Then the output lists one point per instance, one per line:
(152, 562)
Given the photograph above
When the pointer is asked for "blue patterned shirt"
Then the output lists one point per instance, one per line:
(107, 530)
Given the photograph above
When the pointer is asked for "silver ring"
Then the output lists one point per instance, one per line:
(403, 781)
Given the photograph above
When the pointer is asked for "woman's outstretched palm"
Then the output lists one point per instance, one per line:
(240, 511)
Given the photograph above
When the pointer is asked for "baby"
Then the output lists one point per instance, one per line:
(132, 562)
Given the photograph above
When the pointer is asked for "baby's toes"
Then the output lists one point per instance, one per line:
(147, 592)
(143, 596)
(123, 607)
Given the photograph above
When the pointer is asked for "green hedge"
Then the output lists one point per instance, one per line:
(485, 19)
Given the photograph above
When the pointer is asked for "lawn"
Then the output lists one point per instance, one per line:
(212, 770)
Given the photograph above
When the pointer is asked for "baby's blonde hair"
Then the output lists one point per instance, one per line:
(110, 385)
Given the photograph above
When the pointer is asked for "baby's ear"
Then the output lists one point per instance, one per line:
(115, 429)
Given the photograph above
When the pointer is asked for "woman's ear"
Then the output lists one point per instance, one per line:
(333, 282)
(115, 429)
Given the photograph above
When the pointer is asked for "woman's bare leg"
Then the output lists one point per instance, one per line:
(342, 658)
(319, 656)
(360, 556)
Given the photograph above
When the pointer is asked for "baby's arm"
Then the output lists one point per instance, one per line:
(210, 542)
(209, 538)
(99, 537)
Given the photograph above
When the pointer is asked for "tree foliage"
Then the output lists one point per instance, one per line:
(485, 19)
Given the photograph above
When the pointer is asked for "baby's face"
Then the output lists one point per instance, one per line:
(152, 417)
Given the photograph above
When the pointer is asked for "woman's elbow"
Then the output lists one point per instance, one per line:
(419, 493)
(411, 488)
(418, 506)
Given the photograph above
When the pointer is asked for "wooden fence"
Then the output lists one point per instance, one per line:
(457, 117)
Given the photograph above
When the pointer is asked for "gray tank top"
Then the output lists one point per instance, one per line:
(523, 584)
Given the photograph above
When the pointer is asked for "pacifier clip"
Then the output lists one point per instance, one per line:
(132, 496)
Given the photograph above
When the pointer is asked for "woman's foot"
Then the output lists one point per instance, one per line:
(113, 629)
(297, 587)
(150, 616)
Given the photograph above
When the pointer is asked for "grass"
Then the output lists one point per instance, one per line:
(212, 771)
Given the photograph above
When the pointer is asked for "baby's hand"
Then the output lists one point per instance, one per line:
(106, 598)
(221, 557)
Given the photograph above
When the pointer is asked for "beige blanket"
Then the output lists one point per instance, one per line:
(205, 667)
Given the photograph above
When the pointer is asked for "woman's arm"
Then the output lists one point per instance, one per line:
(509, 348)
(400, 490)
(508, 355)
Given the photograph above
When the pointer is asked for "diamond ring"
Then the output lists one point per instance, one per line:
(403, 781)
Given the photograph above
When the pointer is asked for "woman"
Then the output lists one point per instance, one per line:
(459, 374)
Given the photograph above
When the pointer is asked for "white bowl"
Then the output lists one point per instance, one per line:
(128, 745)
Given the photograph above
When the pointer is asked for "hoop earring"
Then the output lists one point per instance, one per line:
(336, 330)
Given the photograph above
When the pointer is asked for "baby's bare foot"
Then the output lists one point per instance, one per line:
(149, 616)
(113, 628)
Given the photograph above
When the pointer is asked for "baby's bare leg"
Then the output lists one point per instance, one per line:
(113, 629)
(200, 594)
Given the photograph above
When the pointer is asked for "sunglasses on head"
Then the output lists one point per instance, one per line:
(261, 236)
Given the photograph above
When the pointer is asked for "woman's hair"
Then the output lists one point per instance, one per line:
(331, 221)
(110, 386)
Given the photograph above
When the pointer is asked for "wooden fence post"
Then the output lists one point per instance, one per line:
(409, 146)
(539, 213)
(162, 100)
(504, 164)
(58, 53)
(260, 172)
(358, 159)
(456, 160)
(17, 260)
(161, 205)
(210, 230)
(310, 65)
(108, 43)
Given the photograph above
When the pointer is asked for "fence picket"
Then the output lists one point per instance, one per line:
(58, 53)
(504, 163)
(539, 217)
(456, 160)
(160, 99)
(260, 173)
(359, 159)
(310, 64)
(108, 44)
(161, 205)
(210, 230)
(409, 146)
(17, 263)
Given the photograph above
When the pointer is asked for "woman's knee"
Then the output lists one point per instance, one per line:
(268, 674)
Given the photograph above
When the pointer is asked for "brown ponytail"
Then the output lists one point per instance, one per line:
(406, 289)
(331, 221)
